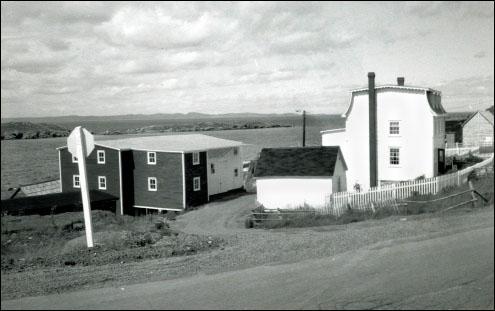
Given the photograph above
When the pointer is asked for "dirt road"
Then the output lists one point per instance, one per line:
(453, 271)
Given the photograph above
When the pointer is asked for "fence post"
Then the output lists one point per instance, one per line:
(472, 193)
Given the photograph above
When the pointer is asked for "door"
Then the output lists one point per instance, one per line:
(441, 161)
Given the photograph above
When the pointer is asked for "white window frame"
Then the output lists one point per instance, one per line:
(197, 160)
(198, 179)
(74, 159)
(149, 184)
(148, 157)
(74, 181)
(104, 178)
(98, 153)
(390, 127)
(390, 156)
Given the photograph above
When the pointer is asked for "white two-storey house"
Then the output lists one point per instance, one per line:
(392, 133)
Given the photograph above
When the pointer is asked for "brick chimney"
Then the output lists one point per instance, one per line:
(372, 130)
(400, 81)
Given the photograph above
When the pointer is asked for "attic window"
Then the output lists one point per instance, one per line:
(394, 128)
(195, 158)
(151, 157)
(101, 157)
(74, 159)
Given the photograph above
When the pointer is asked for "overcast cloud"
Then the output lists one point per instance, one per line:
(120, 58)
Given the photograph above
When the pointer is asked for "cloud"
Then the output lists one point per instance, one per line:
(154, 28)
(119, 57)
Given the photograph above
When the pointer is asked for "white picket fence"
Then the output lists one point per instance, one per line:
(337, 203)
(460, 151)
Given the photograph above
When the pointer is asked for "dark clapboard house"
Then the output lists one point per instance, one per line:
(169, 172)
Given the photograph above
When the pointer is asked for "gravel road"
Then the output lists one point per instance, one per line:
(245, 248)
(448, 272)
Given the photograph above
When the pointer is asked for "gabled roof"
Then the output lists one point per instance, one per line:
(170, 143)
(297, 161)
(485, 114)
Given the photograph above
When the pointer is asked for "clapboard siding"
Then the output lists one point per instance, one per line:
(194, 198)
(168, 172)
(477, 130)
(110, 170)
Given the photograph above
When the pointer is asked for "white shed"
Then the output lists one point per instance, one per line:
(290, 178)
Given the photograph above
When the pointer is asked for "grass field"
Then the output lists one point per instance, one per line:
(31, 242)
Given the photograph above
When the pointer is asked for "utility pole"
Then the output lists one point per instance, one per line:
(304, 129)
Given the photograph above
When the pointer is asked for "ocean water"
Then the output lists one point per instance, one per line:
(31, 161)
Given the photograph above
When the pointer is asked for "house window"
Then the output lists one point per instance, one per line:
(235, 151)
(152, 184)
(197, 183)
(212, 166)
(394, 128)
(394, 156)
(152, 158)
(236, 172)
(195, 158)
(75, 181)
(101, 156)
(102, 183)
(74, 159)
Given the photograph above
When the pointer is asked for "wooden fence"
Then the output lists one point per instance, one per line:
(459, 151)
(337, 203)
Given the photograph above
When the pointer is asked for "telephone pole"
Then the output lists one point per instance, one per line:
(304, 129)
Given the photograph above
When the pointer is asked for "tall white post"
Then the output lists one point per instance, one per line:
(83, 181)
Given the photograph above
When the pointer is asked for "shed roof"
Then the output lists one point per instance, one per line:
(170, 143)
(297, 161)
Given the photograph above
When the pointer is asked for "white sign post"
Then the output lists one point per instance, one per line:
(80, 144)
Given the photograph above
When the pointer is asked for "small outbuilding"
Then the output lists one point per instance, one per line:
(291, 178)
(477, 130)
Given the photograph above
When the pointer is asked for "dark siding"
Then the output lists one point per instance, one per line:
(168, 171)
(127, 159)
(194, 198)
(110, 169)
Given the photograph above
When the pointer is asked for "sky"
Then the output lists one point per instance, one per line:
(80, 58)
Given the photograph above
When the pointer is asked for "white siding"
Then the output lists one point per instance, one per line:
(225, 162)
(417, 140)
(291, 193)
(356, 153)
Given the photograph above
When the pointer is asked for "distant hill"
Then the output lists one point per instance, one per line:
(28, 130)
(156, 116)
(490, 109)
